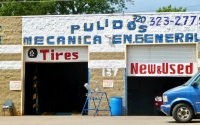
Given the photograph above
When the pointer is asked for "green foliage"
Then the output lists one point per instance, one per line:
(170, 9)
(13, 8)
(56, 7)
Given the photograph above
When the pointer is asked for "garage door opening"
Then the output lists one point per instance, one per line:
(60, 87)
(143, 90)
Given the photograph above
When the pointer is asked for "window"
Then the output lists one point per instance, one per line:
(198, 80)
(189, 81)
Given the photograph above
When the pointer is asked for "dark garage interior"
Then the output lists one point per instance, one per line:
(60, 86)
(142, 92)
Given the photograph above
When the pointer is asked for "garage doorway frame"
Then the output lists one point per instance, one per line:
(23, 68)
(126, 62)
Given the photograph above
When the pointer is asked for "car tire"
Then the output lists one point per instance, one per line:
(183, 113)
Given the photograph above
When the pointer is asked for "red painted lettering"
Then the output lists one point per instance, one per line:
(52, 54)
(58, 54)
(165, 68)
(189, 68)
(134, 68)
(75, 54)
(45, 51)
(162, 68)
(179, 68)
(67, 55)
(172, 68)
(151, 68)
(159, 70)
(143, 67)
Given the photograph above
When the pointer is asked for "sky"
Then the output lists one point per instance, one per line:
(145, 6)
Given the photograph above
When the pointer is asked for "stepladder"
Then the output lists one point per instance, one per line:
(96, 99)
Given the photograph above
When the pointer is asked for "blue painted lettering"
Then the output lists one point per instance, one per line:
(99, 26)
(39, 40)
(139, 38)
(97, 39)
(117, 24)
(71, 39)
(159, 38)
(88, 29)
(106, 23)
(28, 40)
(127, 38)
(142, 28)
(131, 25)
(50, 42)
(196, 37)
(117, 39)
(74, 27)
(189, 37)
(169, 38)
(61, 39)
(148, 38)
(179, 37)
(79, 40)
(85, 39)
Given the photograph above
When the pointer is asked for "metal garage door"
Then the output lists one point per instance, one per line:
(162, 60)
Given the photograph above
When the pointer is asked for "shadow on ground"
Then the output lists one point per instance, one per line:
(179, 123)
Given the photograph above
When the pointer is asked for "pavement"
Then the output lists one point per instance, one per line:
(91, 120)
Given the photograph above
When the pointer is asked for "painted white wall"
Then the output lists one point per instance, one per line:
(10, 49)
(10, 64)
(61, 26)
(106, 64)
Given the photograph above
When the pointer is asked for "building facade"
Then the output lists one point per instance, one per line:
(45, 60)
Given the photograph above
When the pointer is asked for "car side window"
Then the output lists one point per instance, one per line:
(198, 80)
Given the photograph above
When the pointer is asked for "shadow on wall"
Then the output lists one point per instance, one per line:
(123, 110)
(14, 110)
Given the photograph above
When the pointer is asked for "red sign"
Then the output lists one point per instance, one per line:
(57, 55)
(162, 68)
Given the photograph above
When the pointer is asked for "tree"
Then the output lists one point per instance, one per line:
(60, 7)
(170, 9)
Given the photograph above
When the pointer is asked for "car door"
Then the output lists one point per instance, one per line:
(195, 94)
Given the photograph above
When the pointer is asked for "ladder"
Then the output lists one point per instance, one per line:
(93, 96)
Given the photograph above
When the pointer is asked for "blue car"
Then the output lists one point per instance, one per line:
(183, 102)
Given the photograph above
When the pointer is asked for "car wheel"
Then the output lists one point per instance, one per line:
(183, 113)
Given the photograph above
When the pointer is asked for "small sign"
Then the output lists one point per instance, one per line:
(15, 85)
(108, 83)
(61, 54)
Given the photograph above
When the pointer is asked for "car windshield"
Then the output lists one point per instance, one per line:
(188, 82)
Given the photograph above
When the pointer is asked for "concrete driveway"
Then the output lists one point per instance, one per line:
(90, 120)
